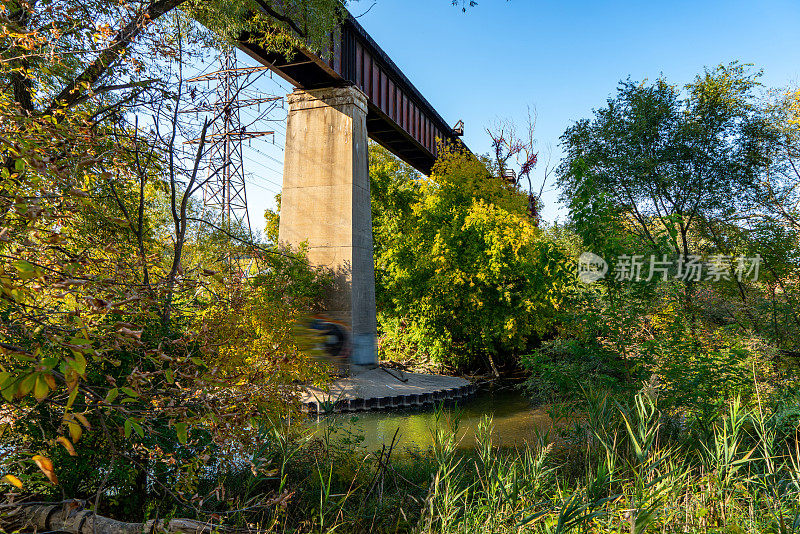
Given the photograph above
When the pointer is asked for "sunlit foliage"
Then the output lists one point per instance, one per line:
(463, 274)
(121, 307)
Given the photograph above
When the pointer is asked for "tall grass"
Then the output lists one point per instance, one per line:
(621, 467)
(634, 479)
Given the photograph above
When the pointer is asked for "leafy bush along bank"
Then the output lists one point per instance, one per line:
(619, 467)
(464, 278)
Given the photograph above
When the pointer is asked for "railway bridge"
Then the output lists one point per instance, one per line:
(353, 93)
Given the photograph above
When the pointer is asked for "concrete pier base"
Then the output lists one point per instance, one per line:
(383, 389)
(326, 202)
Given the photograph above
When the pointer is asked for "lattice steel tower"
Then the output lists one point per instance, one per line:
(225, 190)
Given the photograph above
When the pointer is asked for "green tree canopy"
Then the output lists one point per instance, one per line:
(463, 275)
(664, 160)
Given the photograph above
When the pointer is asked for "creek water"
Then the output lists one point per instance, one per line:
(516, 422)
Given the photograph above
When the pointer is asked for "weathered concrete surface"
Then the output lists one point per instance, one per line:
(326, 201)
(382, 388)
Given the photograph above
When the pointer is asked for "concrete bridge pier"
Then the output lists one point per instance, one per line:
(326, 201)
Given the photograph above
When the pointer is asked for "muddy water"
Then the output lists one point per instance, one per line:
(516, 422)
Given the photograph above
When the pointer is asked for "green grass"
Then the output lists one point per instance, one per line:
(622, 467)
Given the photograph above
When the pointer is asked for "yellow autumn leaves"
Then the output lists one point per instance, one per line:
(14, 481)
(74, 423)
(44, 464)
(794, 107)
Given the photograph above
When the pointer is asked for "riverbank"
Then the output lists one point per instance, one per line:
(621, 466)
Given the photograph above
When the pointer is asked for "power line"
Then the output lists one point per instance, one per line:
(225, 189)
(276, 160)
(277, 173)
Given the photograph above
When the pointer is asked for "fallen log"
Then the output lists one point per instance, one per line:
(73, 518)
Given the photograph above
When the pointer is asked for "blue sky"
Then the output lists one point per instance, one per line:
(562, 58)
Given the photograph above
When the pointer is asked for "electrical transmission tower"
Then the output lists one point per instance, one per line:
(224, 191)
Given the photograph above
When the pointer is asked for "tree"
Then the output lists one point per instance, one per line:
(767, 224)
(111, 283)
(61, 55)
(663, 164)
(661, 170)
(463, 276)
(515, 157)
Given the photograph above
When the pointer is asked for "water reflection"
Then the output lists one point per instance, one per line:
(516, 422)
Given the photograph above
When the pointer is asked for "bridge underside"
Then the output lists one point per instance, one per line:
(399, 117)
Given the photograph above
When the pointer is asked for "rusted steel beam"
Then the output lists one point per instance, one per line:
(400, 118)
